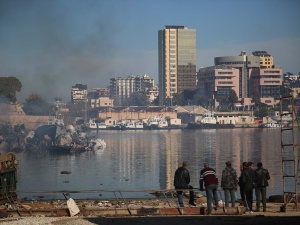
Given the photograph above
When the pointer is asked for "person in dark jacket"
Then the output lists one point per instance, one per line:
(248, 179)
(229, 184)
(262, 176)
(243, 166)
(181, 181)
(209, 178)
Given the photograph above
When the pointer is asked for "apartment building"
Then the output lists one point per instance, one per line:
(79, 93)
(122, 88)
(176, 61)
(291, 84)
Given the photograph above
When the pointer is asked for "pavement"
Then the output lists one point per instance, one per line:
(187, 220)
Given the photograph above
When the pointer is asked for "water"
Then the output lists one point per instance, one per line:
(147, 160)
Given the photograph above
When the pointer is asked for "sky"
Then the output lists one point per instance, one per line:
(51, 45)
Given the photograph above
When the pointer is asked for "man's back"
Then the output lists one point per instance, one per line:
(262, 177)
(208, 175)
(229, 178)
(181, 178)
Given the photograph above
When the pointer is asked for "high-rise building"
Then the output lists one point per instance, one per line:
(176, 61)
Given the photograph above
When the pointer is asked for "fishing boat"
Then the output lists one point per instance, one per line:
(157, 122)
(271, 125)
(208, 121)
(95, 124)
(134, 125)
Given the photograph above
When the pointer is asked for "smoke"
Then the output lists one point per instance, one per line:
(50, 48)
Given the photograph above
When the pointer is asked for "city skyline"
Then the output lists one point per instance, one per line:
(52, 45)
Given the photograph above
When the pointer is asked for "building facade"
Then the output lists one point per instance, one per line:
(266, 60)
(257, 76)
(176, 61)
(218, 81)
(122, 88)
(243, 63)
(267, 83)
(79, 93)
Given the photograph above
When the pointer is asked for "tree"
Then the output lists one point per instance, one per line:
(232, 98)
(200, 100)
(178, 99)
(138, 99)
(36, 105)
(261, 110)
(255, 97)
(8, 88)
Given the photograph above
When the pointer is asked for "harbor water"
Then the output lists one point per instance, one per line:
(147, 160)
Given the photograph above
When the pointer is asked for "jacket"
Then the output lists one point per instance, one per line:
(208, 176)
(229, 178)
(262, 176)
(181, 178)
(248, 179)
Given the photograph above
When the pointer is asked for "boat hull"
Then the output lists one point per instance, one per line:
(194, 126)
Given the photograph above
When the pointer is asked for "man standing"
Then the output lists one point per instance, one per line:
(181, 181)
(262, 176)
(248, 179)
(208, 176)
(229, 184)
(243, 166)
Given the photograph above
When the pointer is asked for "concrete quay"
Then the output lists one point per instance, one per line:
(144, 211)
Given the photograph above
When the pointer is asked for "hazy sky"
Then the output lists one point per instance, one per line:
(51, 45)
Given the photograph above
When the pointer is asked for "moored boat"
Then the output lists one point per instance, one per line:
(208, 121)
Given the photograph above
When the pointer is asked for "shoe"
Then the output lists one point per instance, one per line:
(192, 204)
(181, 205)
(264, 210)
(256, 210)
(251, 211)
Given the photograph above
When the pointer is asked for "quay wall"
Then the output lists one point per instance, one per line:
(30, 122)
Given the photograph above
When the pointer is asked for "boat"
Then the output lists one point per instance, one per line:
(208, 121)
(157, 122)
(162, 124)
(270, 125)
(134, 125)
(95, 124)
(139, 125)
(284, 118)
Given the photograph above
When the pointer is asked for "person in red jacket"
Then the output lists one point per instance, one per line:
(210, 180)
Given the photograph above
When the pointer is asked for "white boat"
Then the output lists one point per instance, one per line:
(208, 121)
(272, 125)
(139, 125)
(285, 118)
(155, 122)
(95, 124)
(163, 124)
(208, 118)
(134, 125)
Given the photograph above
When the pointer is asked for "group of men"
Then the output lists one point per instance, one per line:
(249, 180)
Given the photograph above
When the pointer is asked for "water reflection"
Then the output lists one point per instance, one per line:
(147, 160)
